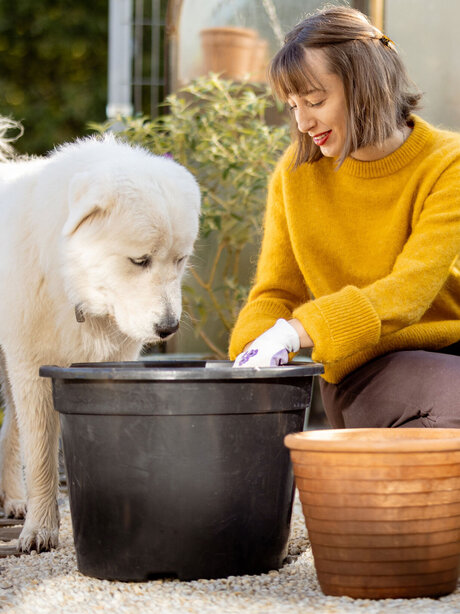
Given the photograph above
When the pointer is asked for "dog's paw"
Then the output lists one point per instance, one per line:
(40, 539)
(14, 508)
(41, 528)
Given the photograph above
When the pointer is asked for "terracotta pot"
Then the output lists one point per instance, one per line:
(229, 51)
(260, 61)
(382, 509)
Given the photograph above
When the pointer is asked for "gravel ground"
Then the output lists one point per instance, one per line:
(50, 582)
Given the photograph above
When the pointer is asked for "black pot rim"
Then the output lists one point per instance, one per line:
(209, 370)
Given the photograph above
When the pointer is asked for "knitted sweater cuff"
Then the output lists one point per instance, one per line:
(340, 324)
(254, 319)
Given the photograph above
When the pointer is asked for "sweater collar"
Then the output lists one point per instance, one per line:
(396, 160)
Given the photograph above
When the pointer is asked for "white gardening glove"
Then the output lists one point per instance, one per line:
(272, 348)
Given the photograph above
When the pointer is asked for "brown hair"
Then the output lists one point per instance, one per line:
(377, 88)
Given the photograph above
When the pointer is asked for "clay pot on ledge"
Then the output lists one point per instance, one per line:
(382, 509)
(234, 53)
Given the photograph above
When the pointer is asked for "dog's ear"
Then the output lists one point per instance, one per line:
(83, 201)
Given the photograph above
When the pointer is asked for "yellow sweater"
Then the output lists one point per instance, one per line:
(365, 257)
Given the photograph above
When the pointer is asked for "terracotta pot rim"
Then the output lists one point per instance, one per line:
(230, 30)
(375, 440)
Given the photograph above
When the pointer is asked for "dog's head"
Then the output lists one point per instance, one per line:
(132, 222)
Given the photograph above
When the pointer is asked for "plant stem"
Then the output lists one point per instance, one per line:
(214, 265)
(211, 345)
(213, 298)
(218, 200)
(236, 263)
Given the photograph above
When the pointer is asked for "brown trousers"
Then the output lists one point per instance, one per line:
(407, 389)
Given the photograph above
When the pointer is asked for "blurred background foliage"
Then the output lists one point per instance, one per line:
(53, 68)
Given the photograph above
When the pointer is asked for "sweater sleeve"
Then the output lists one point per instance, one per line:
(353, 319)
(279, 285)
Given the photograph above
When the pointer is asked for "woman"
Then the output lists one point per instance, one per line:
(359, 259)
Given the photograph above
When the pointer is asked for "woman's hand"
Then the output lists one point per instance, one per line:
(272, 347)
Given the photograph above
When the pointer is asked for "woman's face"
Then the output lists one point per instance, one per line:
(321, 112)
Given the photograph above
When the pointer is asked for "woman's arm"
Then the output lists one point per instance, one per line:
(305, 339)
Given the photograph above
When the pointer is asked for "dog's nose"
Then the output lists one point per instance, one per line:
(164, 330)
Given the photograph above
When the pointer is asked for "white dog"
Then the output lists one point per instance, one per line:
(94, 240)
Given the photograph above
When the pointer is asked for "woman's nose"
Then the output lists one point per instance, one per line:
(304, 119)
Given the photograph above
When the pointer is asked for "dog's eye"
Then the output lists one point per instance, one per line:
(143, 261)
(179, 261)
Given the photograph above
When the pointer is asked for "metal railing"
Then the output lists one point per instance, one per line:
(136, 82)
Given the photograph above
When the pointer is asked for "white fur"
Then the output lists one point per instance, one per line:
(69, 225)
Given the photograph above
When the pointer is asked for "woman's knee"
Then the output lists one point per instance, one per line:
(405, 389)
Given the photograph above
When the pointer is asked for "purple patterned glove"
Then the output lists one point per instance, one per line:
(272, 348)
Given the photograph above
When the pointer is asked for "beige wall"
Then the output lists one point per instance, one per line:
(427, 33)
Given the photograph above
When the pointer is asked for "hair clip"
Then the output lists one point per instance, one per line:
(387, 42)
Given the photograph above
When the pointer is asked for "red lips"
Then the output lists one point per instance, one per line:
(321, 138)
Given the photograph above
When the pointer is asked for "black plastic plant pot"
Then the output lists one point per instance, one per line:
(178, 469)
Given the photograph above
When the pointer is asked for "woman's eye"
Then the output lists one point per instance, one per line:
(143, 261)
(315, 104)
(308, 104)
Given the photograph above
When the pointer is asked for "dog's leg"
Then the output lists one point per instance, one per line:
(39, 433)
(12, 491)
